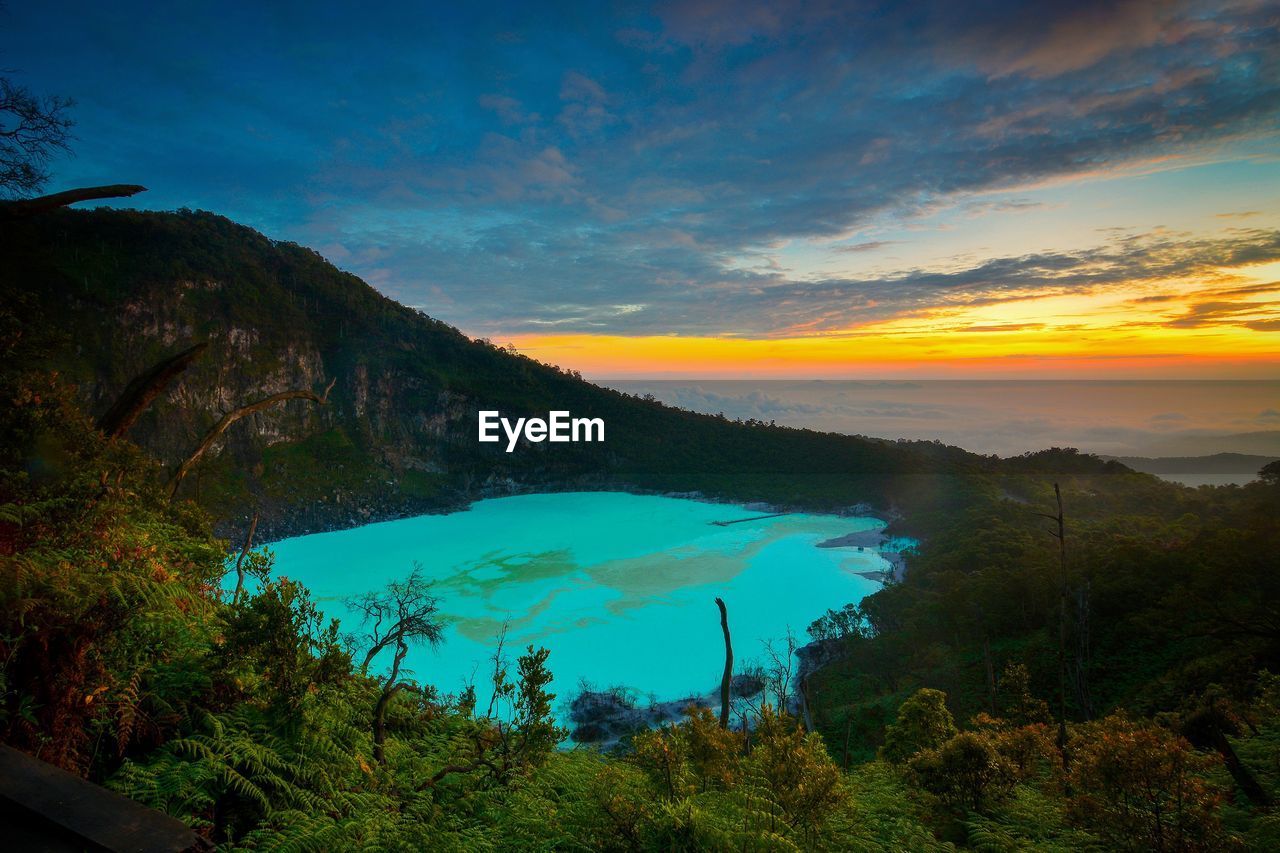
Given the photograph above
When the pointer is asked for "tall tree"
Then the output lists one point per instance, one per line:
(1061, 535)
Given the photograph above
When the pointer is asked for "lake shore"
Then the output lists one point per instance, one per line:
(874, 539)
(590, 575)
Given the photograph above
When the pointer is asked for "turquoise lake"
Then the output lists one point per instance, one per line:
(619, 587)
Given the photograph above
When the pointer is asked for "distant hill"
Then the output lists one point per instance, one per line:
(1217, 463)
(1257, 443)
(103, 295)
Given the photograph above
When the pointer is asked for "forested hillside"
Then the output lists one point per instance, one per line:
(102, 296)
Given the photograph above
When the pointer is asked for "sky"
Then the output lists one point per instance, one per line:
(724, 189)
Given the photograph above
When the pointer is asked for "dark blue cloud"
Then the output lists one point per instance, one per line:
(602, 168)
(684, 289)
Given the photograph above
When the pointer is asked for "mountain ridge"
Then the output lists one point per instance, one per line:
(1212, 463)
(102, 295)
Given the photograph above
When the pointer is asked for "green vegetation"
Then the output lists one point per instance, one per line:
(1168, 635)
(1004, 696)
(125, 661)
(246, 716)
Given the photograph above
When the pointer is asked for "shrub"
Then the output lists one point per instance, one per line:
(1140, 787)
(923, 723)
(965, 771)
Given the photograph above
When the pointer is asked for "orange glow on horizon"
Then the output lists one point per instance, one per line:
(709, 358)
(1147, 332)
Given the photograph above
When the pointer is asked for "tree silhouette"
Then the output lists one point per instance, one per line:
(404, 612)
(32, 130)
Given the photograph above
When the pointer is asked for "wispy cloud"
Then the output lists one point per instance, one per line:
(521, 171)
(684, 289)
(1003, 327)
(866, 246)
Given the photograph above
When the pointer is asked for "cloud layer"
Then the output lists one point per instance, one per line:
(515, 170)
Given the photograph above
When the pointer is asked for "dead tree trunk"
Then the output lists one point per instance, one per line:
(380, 724)
(142, 391)
(805, 711)
(1244, 778)
(40, 204)
(231, 417)
(248, 543)
(1061, 535)
(1207, 727)
(1062, 625)
(726, 680)
(389, 689)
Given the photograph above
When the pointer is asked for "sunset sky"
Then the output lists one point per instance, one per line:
(727, 189)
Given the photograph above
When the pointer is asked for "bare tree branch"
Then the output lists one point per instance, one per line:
(143, 389)
(780, 674)
(32, 129)
(499, 667)
(231, 417)
(40, 204)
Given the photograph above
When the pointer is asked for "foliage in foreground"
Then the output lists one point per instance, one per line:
(245, 716)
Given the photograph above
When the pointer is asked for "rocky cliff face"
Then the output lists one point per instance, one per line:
(103, 295)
